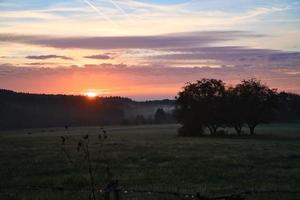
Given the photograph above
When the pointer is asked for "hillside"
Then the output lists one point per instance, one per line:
(23, 110)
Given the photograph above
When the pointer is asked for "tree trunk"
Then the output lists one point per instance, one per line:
(251, 128)
(238, 128)
(213, 129)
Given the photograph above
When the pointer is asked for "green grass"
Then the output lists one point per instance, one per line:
(154, 158)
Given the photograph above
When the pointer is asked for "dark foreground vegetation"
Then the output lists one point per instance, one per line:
(210, 104)
(153, 158)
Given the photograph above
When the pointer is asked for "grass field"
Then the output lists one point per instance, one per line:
(154, 158)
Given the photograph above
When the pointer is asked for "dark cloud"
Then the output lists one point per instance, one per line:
(40, 63)
(221, 53)
(106, 66)
(155, 71)
(100, 57)
(232, 55)
(190, 39)
(8, 57)
(44, 57)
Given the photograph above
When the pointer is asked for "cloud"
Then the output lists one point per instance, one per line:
(45, 57)
(40, 63)
(100, 57)
(188, 39)
(228, 55)
(7, 57)
(106, 66)
(59, 17)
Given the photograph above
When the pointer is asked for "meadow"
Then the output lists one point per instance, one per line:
(153, 158)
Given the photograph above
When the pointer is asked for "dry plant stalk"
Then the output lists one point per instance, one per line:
(81, 155)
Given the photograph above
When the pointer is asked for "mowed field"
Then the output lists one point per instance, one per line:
(153, 158)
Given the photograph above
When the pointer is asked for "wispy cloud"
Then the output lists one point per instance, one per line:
(44, 57)
(107, 17)
(40, 64)
(100, 56)
(129, 42)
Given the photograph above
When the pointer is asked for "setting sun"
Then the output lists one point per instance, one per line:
(91, 94)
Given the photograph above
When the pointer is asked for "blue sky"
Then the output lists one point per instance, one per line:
(271, 15)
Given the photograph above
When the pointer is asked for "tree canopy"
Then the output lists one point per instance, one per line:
(207, 103)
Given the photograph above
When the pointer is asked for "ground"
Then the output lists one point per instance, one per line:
(153, 158)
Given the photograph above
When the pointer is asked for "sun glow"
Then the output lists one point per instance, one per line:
(91, 94)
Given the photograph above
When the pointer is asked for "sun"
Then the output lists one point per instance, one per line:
(91, 94)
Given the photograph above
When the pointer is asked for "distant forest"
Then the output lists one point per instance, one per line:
(23, 110)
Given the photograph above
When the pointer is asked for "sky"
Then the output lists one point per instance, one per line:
(146, 49)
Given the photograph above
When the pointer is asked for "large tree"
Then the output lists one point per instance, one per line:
(234, 110)
(200, 105)
(255, 103)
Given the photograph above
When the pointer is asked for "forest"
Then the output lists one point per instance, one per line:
(23, 110)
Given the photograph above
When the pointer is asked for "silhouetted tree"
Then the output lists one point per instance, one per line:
(200, 104)
(234, 110)
(207, 103)
(160, 116)
(255, 103)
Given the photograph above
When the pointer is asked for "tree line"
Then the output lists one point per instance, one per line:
(21, 110)
(160, 116)
(210, 104)
(24, 110)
